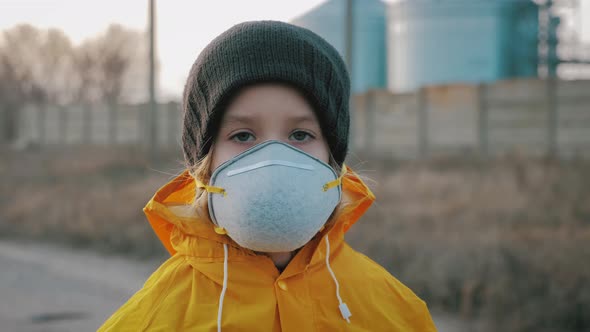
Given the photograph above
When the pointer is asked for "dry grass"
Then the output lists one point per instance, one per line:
(87, 198)
(503, 241)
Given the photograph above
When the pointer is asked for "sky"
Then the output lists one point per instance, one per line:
(184, 27)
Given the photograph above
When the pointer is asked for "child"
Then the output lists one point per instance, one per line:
(256, 223)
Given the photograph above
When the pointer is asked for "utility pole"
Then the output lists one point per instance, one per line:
(544, 38)
(152, 141)
(349, 28)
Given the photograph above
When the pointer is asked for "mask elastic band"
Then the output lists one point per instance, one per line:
(336, 182)
(211, 189)
(341, 305)
(223, 289)
(219, 230)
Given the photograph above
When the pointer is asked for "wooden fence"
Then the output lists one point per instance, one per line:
(99, 125)
(538, 117)
(535, 117)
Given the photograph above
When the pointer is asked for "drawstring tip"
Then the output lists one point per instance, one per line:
(343, 307)
(345, 311)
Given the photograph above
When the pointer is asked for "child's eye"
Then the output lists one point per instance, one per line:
(301, 136)
(242, 137)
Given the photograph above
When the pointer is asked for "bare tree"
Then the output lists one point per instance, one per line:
(85, 62)
(55, 70)
(36, 68)
(118, 49)
(44, 69)
(110, 68)
(55, 73)
(19, 52)
(10, 97)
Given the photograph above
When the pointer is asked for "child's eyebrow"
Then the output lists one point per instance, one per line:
(245, 119)
(303, 118)
(239, 119)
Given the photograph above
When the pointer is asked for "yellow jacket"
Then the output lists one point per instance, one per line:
(184, 293)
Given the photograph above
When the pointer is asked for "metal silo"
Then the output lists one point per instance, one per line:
(444, 41)
(369, 46)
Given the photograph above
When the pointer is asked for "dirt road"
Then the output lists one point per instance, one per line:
(53, 289)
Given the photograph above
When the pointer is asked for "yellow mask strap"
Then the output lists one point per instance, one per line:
(336, 182)
(211, 189)
(214, 190)
(220, 230)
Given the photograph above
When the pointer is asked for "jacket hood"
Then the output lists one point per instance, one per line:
(177, 230)
(211, 282)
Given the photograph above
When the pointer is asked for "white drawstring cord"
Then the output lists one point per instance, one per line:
(346, 314)
(223, 289)
(341, 305)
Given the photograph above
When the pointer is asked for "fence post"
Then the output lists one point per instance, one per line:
(370, 122)
(63, 124)
(141, 112)
(9, 124)
(86, 123)
(172, 121)
(41, 119)
(422, 125)
(4, 126)
(552, 116)
(113, 112)
(482, 119)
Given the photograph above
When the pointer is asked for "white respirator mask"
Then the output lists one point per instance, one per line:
(272, 197)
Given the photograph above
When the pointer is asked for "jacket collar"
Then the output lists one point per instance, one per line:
(164, 213)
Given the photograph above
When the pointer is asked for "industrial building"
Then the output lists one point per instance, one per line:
(437, 42)
(408, 44)
(368, 37)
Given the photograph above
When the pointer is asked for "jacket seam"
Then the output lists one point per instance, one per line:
(312, 300)
(166, 293)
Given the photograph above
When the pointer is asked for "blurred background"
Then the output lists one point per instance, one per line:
(470, 122)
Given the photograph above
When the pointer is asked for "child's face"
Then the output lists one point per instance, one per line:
(268, 112)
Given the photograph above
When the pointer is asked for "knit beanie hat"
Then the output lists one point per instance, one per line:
(265, 51)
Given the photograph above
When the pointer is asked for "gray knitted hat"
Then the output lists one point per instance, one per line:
(265, 51)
